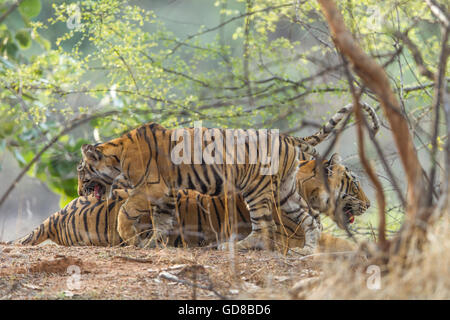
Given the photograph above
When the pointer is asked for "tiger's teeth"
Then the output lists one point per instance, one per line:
(96, 192)
(350, 216)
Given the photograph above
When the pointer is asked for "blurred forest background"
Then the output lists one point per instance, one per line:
(75, 72)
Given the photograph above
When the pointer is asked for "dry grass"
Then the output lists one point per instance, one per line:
(40, 272)
(427, 275)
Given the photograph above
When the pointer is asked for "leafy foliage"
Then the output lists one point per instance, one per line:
(261, 64)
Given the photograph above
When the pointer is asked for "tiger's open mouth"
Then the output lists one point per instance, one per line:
(348, 211)
(96, 189)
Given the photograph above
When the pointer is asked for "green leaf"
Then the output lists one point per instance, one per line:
(11, 49)
(40, 171)
(30, 8)
(43, 42)
(61, 168)
(19, 158)
(23, 38)
(70, 187)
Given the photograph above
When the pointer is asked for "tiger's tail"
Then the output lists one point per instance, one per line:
(38, 235)
(326, 129)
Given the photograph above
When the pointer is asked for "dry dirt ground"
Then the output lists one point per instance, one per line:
(55, 272)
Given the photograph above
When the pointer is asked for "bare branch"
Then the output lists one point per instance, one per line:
(220, 25)
(420, 87)
(423, 70)
(439, 12)
(10, 10)
(366, 165)
(70, 126)
(438, 101)
(171, 277)
(247, 55)
(376, 79)
(386, 166)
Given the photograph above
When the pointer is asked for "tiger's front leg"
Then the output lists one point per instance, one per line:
(296, 208)
(312, 230)
(119, 186)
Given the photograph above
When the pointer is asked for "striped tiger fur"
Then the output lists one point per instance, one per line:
(200, 220)
(84, 221)
(326, 129)
(92, 222)
(144, 157)
(155, 178)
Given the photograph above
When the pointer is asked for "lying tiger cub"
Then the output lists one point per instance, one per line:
(203, 220)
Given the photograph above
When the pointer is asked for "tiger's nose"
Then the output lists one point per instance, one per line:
(368, 204)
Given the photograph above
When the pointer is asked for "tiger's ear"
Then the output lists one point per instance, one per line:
(335, 160)
(90, 152)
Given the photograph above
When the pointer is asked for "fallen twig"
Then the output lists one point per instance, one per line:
(171, 277)
(134, 259)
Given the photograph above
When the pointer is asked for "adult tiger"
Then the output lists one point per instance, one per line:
(202, 220)
(141, 159)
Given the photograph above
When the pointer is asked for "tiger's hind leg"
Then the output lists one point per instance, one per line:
(153, 201)
(128, 219)
(162, 222)
(263, 225)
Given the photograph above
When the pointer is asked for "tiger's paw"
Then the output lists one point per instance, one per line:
(119, 194)
(153, 242)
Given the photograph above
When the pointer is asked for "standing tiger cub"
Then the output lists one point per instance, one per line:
(143, 160)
